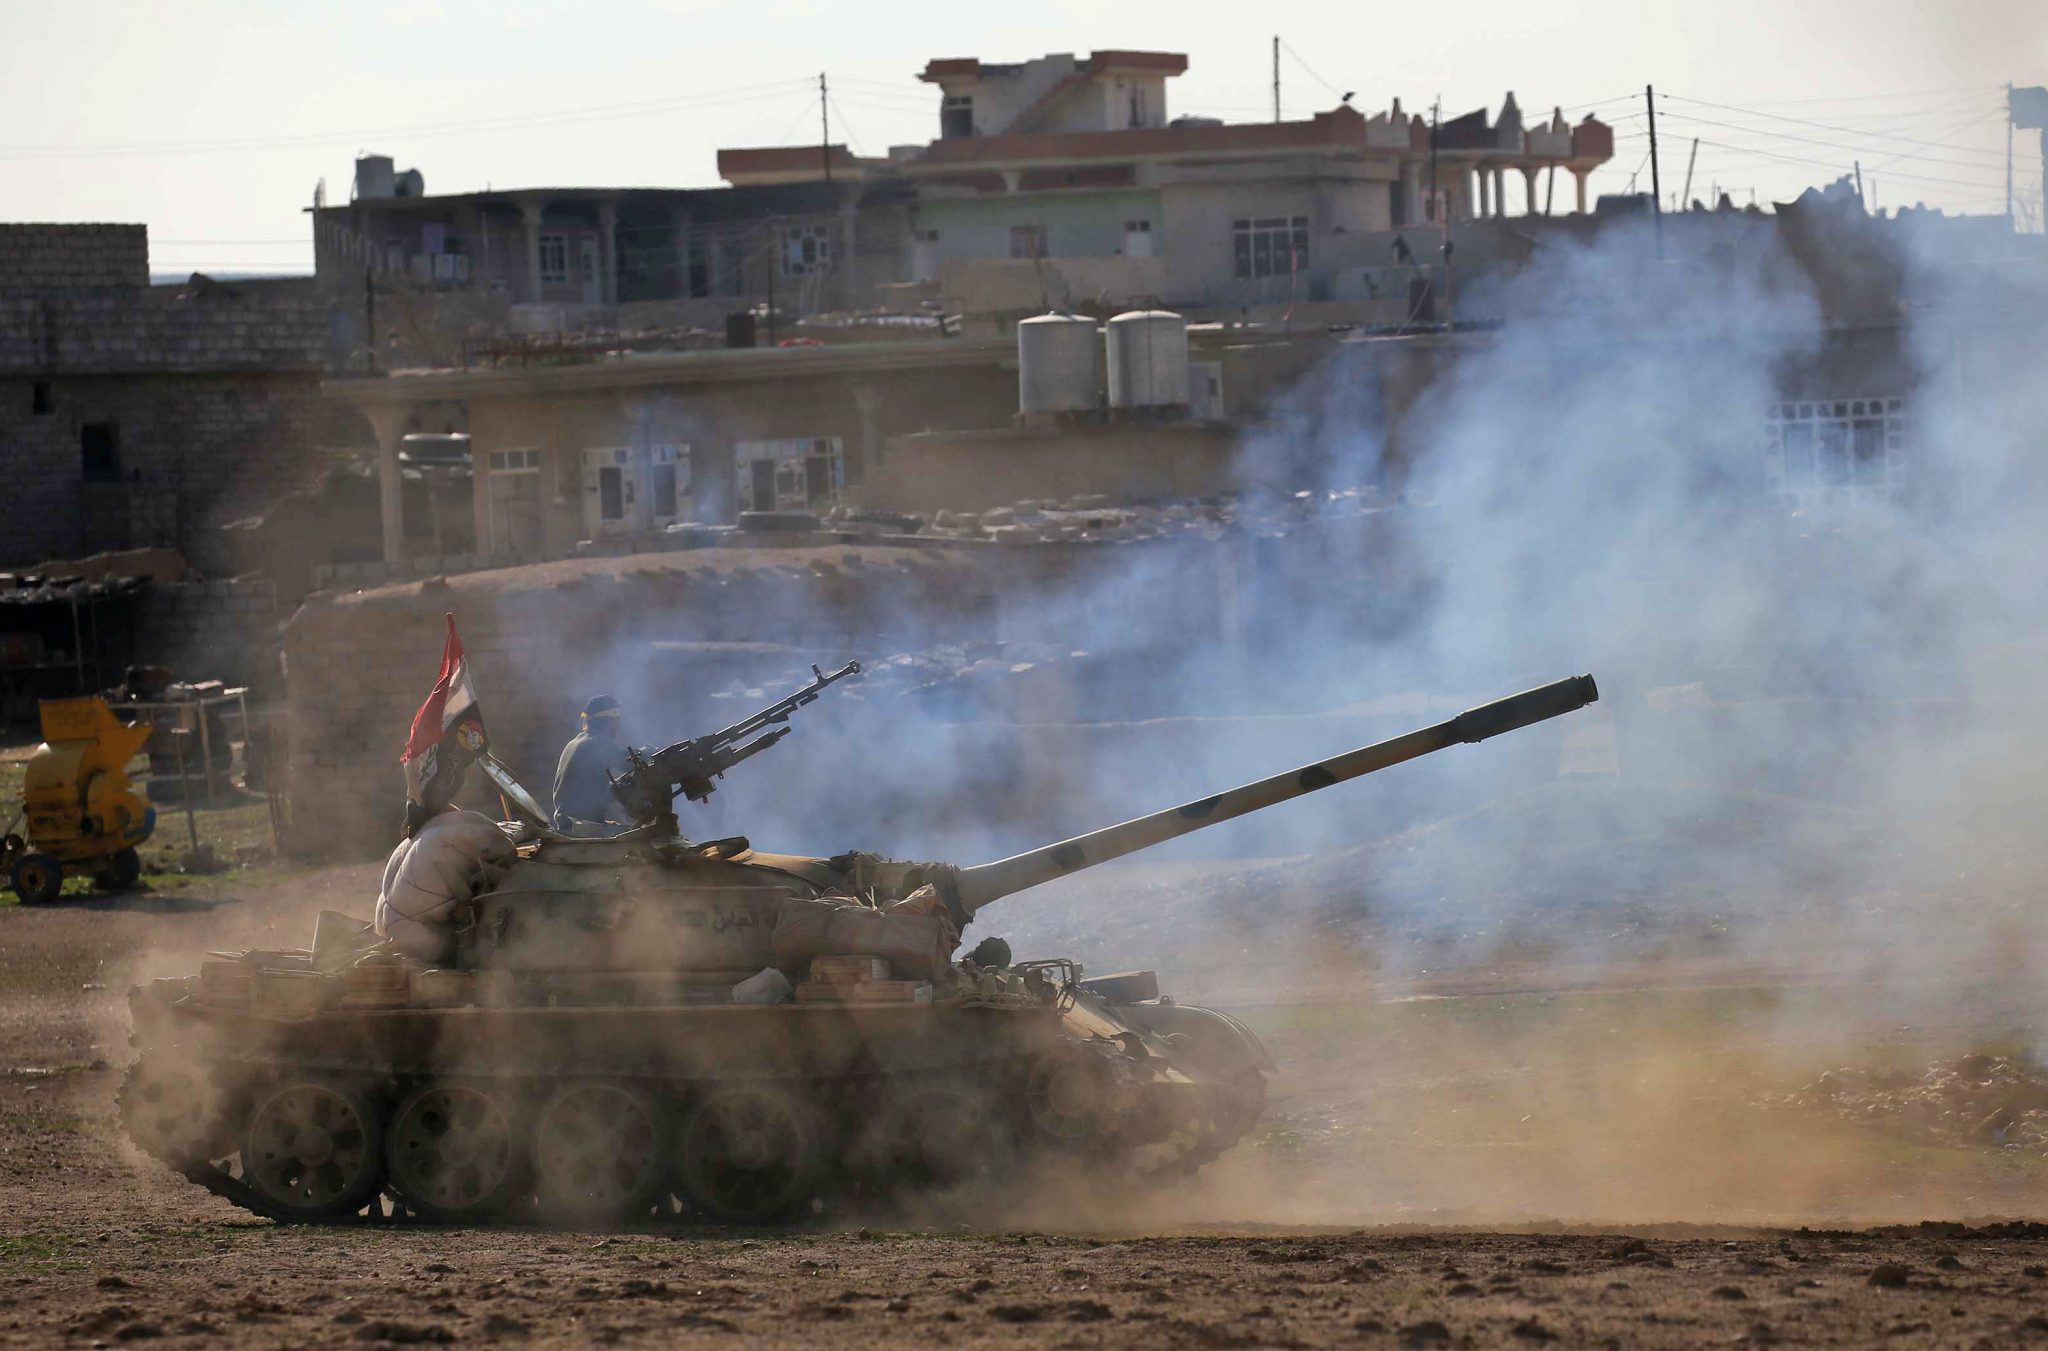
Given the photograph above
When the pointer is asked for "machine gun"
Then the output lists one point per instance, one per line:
(649, 785)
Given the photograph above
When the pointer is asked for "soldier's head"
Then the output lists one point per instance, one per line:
(601, 717)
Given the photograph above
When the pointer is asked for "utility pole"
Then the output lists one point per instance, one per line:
(2008, 154)
(774, 262)
(1685, 193)
(1435, 207)
(1276, 78)
(1656, 188)
(824, 128)
(1859, 184)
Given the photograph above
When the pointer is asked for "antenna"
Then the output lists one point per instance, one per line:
(1276, 78)
(824, 128)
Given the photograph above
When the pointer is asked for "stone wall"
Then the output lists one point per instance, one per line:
(48, 257)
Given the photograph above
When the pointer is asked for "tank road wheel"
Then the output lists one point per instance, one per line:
(38, 879)
(314, 1151)
(934, 1135)
(453, 1152)
(598, 1152)
(748, 1153)
(171, 1109)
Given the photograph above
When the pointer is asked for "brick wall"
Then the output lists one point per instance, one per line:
(44, 257)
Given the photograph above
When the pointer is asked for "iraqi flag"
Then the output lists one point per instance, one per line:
(447, 733)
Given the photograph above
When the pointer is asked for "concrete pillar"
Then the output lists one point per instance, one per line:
(388, 422)
(1500, 191)
(1579, 186)
(867, 401)
(608, 248)
(1477, 179)
(531, 211)
(1529, 186)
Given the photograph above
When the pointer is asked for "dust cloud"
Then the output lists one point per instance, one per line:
(1563, 974)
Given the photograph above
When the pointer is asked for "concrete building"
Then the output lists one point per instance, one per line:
(606, 451)
(136, 415)
(542, 260)
(1070, 174)
(1062, 180)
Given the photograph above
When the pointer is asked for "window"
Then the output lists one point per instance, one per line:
(554, 257)
(1829, 455)
(607, 491)
(39, 401)
(1027, 241)
(99, 451)
(806, 249)
(668, 475)
(514, 461)
(1273, 246)
(956, 115)
(1138, 106)
(803, 474)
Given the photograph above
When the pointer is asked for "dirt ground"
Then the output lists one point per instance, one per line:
(1487, 1162)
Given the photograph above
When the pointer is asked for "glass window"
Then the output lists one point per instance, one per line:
(554, 258)
(806, 249)
(1833, 455)
(1274, 246)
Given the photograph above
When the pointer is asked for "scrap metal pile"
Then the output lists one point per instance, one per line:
(1097, 518)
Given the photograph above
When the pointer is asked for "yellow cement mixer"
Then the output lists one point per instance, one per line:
(83, 814)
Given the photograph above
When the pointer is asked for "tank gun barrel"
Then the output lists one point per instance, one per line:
(992, 881)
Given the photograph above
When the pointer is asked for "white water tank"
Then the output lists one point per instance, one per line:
(1059, 365)
(1148, 361)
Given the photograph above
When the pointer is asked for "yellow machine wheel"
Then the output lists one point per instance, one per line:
(127, 869)
(37, 878)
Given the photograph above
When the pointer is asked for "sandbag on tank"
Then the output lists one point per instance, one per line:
(433, 873)
(919, 946)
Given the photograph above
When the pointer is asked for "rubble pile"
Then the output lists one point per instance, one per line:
(1974, 1100)
(1095, 517)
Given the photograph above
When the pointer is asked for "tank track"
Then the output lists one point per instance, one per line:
(1185, 1155)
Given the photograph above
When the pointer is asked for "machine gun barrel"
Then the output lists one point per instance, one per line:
(977, 886)
(652, 780)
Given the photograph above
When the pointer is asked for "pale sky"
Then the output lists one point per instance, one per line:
(211, 120)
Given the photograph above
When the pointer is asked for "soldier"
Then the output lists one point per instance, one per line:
(584, 801)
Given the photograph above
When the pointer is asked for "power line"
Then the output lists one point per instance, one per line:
(708, 98)
(845, 125)
(1288, 47)
(1788, 136)
(1858, 133)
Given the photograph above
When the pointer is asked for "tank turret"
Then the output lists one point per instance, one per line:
(617, 1028)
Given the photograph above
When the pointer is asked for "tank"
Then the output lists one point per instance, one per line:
(1148, 361)
(644, 1025)
(1059, 365)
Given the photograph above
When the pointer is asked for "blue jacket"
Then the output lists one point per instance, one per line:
(583, 788)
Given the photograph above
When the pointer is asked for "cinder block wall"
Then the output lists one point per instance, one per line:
(222, 630)
(46, 257)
